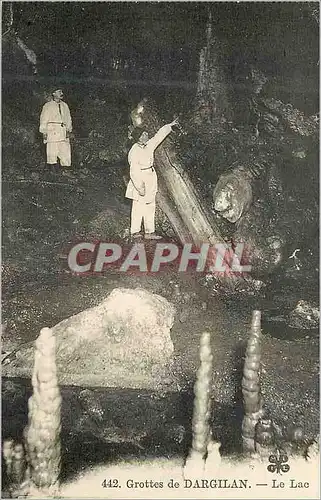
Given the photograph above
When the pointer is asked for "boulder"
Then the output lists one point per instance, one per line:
(232, 194)
(122, 342)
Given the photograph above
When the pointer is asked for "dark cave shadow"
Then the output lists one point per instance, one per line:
(227, 426)
(166, 420)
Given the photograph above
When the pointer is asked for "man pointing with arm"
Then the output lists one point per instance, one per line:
(142, 187)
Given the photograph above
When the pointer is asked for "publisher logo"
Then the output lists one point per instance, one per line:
(278, 463)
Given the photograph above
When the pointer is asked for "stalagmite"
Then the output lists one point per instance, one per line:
(44, 421)
(264, 437)
(16, 468)
(18, 464)
(29, 53)
(202, 401)
(195, 462)
(12, 34)
(7, 451)
(251, 384)
(212, 102)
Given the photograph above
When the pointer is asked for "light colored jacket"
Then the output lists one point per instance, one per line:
(55, 123)
(141, 159)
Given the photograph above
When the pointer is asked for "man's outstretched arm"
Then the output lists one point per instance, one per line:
(163, 132)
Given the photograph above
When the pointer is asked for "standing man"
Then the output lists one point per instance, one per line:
(56, 127)
(142, 187)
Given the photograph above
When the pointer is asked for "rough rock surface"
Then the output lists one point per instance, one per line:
(232, 194)
(123, 342)
(304, 315)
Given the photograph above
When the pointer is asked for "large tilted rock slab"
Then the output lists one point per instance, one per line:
(123, 342)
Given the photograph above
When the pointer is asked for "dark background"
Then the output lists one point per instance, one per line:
(160, 41)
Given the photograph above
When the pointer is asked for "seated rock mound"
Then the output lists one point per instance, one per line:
(123, 342)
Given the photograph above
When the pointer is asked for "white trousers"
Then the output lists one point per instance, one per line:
(143, 212)
(59, 150)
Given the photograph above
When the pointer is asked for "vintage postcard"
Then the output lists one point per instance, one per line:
(160, 249)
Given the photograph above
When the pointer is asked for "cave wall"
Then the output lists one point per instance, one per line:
(161, 42)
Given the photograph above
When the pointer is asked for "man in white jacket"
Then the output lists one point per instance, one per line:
(56, 127)
(142, 187)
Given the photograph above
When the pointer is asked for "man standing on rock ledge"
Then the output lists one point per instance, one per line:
(56, 127)
(142, 187)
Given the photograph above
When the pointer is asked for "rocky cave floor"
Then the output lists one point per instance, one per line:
(43, 214)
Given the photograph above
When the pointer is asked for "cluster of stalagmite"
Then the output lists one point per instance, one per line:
(42, 434)
(251, 385)
(202, 408)
(34, 467)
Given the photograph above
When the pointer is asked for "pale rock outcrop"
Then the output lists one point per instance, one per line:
(122, 342)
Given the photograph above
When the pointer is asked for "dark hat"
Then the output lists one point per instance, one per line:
(56, 89)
